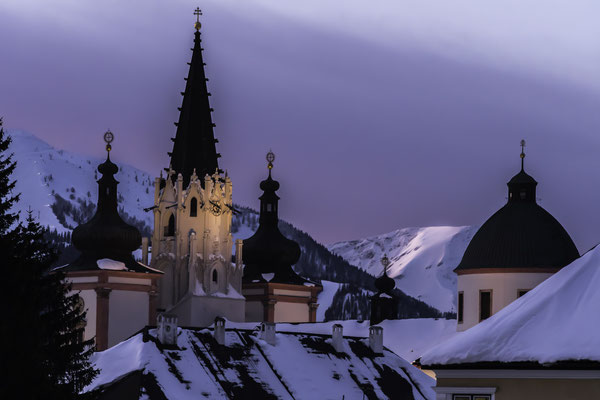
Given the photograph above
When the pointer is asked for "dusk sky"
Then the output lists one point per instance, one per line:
(382, 114)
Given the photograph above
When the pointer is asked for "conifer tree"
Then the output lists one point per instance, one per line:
(42, 354)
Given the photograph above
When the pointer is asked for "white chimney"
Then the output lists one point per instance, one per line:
(376, 339)
(337, 337)
(167, 329)
(267, 332)
(219, 331)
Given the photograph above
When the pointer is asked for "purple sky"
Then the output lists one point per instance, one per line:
(400, 114)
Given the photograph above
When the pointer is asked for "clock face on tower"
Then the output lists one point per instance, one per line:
(215, 208)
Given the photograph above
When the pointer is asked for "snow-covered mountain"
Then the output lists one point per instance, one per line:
(60, 187)
(422, 260)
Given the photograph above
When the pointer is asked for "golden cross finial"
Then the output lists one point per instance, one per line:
(522, 153)
(197, 13)
(108, 138)
(270, 159)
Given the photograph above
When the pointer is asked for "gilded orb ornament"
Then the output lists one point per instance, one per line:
(270, 158)
(108, 138)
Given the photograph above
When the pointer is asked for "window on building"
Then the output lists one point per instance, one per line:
(523, 195)
(215, 276)
(170, 228)
(193, 207)
(521, 292)
(461, 304)
(485, 304)
(269, 207)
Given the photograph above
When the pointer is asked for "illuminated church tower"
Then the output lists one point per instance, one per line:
(192, 242)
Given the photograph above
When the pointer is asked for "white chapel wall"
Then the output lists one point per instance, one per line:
(128, 313)
(504, 288)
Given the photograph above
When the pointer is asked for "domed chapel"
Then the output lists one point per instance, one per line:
(516, 249)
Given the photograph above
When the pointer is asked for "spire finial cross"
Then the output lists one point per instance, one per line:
(108, 138)
(197, 13)
(522, 154)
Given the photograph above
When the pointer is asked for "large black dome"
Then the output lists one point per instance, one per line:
(520, 235)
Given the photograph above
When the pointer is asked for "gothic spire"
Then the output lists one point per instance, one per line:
(194, 142)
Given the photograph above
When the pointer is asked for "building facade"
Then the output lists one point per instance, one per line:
(273, 291)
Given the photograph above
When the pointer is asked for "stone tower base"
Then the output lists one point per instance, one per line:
(201, 311)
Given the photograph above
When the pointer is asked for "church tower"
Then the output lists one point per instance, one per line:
(273, 291)
(384, 303)
(515, 250)
(192, 242)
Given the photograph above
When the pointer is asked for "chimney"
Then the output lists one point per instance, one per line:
(145, 250)
(167, 329)
(219, 331)
(337, 337)
(376, 339)
(267, 332)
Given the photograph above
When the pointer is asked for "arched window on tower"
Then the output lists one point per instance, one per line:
(215, 276)
(170, 228)
(193, 207)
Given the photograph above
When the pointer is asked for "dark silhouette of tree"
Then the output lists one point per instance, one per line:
(42, 354)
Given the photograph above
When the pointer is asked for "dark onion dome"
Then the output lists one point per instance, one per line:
(268, 251)
(520, 235)
(106, 235)
(384, 283)
(384, 303)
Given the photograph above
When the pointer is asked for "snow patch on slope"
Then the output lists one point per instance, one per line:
(423, 260)
(43, 172)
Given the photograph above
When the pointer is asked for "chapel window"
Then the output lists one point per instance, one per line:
(485, 304)
(461, 303)
(170, 228)
(215, 276)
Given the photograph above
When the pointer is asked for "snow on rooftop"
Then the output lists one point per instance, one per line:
(107, 263)
(556, 321)
(408, 338)
(299, 365)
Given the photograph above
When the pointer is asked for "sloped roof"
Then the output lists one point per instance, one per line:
(299, 366)
(557, 322)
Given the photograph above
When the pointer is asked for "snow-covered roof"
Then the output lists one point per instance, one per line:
(299, 366)
(557, 321)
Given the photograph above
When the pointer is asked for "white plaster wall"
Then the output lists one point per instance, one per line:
(89, 304)
(128, 313)
(504, 288)
(295, 293)
(291, 312)
(254, 311)
(135, 281)
(83, 279)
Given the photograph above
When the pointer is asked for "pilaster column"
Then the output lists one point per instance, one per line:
(102, 312)
(269, 310)
(312, 312)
